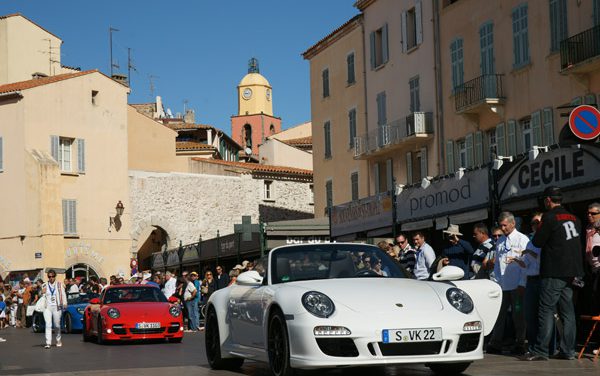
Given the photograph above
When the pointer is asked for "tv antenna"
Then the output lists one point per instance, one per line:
(51, 59)
(129, 66)
(151, 79)
(112, 64)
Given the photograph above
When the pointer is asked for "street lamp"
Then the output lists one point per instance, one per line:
(116, 220)
(426, 182)
(535, 151)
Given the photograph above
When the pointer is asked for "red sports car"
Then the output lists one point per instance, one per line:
(130, 312)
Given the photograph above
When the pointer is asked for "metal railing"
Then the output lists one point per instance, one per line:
(580, 47)
(487, 86)
(393, 133)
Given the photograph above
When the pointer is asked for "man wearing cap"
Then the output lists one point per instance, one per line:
(191, 306)
(459, 252)
(559, 237)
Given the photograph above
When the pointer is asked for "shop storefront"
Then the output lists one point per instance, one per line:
(366, 218)
(301, 231)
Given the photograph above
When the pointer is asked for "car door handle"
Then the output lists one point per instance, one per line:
(494, 294)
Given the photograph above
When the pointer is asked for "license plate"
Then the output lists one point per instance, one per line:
(147, 325)
(411, 335)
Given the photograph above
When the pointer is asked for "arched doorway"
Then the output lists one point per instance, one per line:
(156, 241)
(81, 270)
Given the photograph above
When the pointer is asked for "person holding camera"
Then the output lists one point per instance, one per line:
(459, 252)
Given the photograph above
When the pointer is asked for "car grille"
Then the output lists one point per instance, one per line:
(119, 329)
(174, 328)
(467, 342)
(147, 331)
(414, 348)
(342, 347)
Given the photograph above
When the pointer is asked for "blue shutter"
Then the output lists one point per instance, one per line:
(478, 148)
(449, 156)
(352, 126)
(418, 23)
(384, 44)
(424, 169)
(54, 142)
(373, 51)
(81, 156)
(512, 137)
(501, 139)
(596, 12)
(548, 126)
(404, 31)
(325, 76)
(350, 63)
(536, 128)
(376, 176)
(327, 131)
(389, 174)
(469, 147)
(73, 217)
(65, 215)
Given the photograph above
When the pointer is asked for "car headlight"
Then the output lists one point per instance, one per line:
(113, 313)
(318, 304)
(174, 311)
(80, 310)
(460, 300)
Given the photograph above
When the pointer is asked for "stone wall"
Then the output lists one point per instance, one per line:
(189, 205)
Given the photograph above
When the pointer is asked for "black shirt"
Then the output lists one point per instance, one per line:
(222, 281)
(559, 237)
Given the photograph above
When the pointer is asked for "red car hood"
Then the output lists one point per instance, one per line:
(142, 312)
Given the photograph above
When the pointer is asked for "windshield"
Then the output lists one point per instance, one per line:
(325, 261)
(130, 294)
(77, 298)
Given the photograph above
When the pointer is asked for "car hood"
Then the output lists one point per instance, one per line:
(370, 295)
(141, 311)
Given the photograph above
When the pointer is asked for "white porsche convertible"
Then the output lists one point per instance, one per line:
(340, 305)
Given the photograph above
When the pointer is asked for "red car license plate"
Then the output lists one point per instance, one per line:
(147, 325)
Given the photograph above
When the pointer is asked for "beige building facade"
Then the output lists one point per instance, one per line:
(337, 92)
(508, 84)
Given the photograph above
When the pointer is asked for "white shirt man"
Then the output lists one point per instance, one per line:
(170, 285)
(510, 275)
(425, 257)
(56, 302)
(190, 292)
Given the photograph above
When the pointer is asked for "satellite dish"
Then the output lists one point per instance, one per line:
(248, 151)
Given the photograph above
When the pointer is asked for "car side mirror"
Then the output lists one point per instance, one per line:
(449, 273)
(251, 277)
(172, 300)
(95, 301)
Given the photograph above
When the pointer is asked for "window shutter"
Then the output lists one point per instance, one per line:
(81, 155)
(596, 12)
(424, 172)
(73, 217)
(389, 172)
(404, 31)
(65, 214)
(536, 129)
(501, 139)
(383, 109)
(352, 125)
(373, 52)
(576, 101)
(516, 38)
(384, 44)
(409, 170)
(478, 148)
(327, 131)
(449, 156)
(376, 176)
(590, 99)
(469, 147)
(418, 23)
(524, 33)
(548, 126)
(512, 137)
(1, 156)
(350, 63)
(325, 75)
(519, 137)
(54, 140)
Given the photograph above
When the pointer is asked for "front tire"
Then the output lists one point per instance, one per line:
(68, 323)
(212, 341)
(279, 346)
(86, 336)
(36, 322)
(99, 338)
(448, 368)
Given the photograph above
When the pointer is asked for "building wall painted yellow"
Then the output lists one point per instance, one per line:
(343, 97)
(26, 48)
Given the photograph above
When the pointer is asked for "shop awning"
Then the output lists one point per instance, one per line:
(469, 217)
(379, 232)
(300, 231)
(417, 225)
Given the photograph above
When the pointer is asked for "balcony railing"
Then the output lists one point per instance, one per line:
(393, 133)
(580, 47)
(478, 90)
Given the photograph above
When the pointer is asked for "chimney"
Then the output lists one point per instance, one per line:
(120, 78)
(189, 117)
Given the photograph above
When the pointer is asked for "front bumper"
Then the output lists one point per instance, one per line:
(116, 330)
(364, 346)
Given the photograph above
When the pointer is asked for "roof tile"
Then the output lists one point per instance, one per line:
(259, 167)
(29, 84)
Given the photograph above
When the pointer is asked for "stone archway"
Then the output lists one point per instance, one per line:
(152, 235)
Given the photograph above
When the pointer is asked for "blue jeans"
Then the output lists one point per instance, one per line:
(555, 293)
(193, 314)
(532, 304)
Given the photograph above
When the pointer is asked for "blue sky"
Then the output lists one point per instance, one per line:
(197, 50)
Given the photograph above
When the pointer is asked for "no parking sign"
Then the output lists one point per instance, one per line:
(584, 122)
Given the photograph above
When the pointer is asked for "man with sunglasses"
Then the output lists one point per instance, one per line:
(408, 255)
(56, 302)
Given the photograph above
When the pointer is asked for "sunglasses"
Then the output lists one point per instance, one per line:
(402, 242)
(51, 276)
(593, 213)
(496, 236)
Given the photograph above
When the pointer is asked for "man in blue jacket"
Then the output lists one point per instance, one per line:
(459, 252)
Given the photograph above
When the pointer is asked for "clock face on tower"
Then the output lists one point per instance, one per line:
(247, 93)
(268, 94)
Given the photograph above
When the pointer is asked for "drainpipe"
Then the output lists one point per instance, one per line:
(439, 95)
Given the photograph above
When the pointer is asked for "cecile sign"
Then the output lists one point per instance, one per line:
(444, 196)
(561, 167)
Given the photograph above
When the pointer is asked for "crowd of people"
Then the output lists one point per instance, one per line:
(540, 273)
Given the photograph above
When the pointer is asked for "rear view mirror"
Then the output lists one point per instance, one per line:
(449, 273)
(251, 277)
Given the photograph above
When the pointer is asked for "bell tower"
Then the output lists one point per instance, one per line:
(254, 121)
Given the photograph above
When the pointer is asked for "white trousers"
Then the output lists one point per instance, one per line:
(52, 316)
